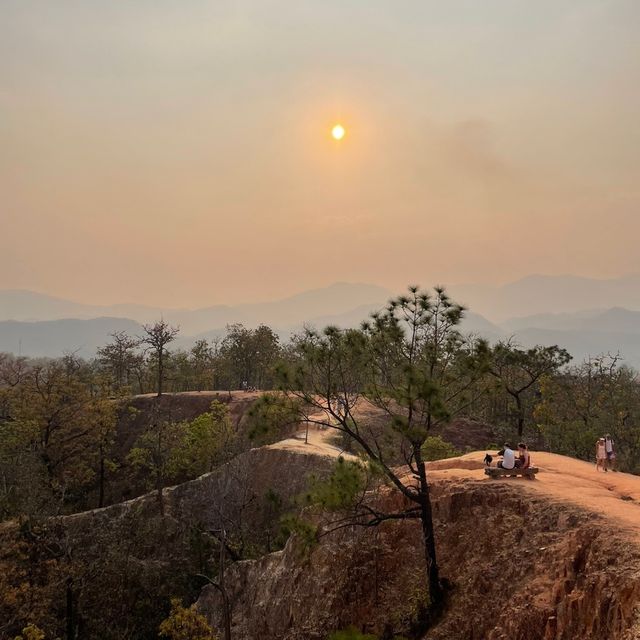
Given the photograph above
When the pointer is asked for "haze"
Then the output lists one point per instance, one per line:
(178, 153)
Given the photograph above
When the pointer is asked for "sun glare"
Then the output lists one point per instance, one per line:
(337, 133)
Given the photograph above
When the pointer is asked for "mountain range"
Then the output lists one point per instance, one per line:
(586, 316)
(542, 294)
(336, 299)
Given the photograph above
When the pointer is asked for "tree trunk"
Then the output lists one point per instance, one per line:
(160, 372)
(436, 593)
(520, 414)
(101, 480)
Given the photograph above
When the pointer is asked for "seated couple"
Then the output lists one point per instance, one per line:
(509, 460)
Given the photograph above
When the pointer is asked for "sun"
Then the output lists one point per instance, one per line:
(337, 133)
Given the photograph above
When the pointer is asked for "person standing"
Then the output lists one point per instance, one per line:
(610, 451)
(601, 455)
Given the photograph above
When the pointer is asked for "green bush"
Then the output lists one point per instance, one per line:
(345, 485)
(435, 448)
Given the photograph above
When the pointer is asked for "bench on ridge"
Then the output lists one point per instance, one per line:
(496, 472)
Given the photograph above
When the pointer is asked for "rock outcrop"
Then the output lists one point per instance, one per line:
(520, 566)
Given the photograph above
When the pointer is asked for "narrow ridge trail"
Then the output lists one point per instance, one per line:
(612, 495)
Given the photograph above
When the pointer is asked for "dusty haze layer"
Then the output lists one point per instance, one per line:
(177, 153)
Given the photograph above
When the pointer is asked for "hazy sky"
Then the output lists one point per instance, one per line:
(177, 152)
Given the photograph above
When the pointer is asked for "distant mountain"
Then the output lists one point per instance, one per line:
(583, 333)
(29, 306)
(476, 324)
(533, 295)
(584, 343)
(17, 304)
(53, 338)
(471, 323)
(548, 294)
(616, 319)
(62, 325)
(348, 320)
(559, 321)
(538, 309)
(335, 299)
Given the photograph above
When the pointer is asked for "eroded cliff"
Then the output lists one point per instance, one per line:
(520, 565)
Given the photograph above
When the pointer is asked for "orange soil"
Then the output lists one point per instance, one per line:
(613, 495)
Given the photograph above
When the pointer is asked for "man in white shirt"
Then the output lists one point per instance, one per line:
(508, 457)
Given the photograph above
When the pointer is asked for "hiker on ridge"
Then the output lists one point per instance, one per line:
(601, 455)
(610, 451)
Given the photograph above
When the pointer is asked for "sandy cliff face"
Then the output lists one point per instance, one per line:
(527, 567)
(520, 564)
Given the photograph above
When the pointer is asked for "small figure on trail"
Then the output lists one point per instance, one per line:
(601, 455)
(508, 457)
(610, 451)
(524, 459)
(488, 459)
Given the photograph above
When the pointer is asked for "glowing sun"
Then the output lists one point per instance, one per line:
(337, 133)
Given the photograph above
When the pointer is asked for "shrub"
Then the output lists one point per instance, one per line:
(185, 624)
(435, 448)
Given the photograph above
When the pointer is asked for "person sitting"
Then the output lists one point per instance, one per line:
(508, 457)
(524, 459)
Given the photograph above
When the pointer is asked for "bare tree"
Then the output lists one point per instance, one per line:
(157, 337)
(119, 356)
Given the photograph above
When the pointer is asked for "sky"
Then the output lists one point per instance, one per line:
(177, 152)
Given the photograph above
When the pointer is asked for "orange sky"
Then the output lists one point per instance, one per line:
(178, 152)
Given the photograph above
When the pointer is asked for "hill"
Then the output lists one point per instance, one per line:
(616, 319)
(53, 338)
(541, 294)
(338, 298)
(29, 306)
(525, 305)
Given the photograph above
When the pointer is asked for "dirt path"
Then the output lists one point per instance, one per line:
(318, 441)
(614, 495)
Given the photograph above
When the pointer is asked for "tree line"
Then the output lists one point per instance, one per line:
(59, 417)
(147, 364)
(63, 422)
